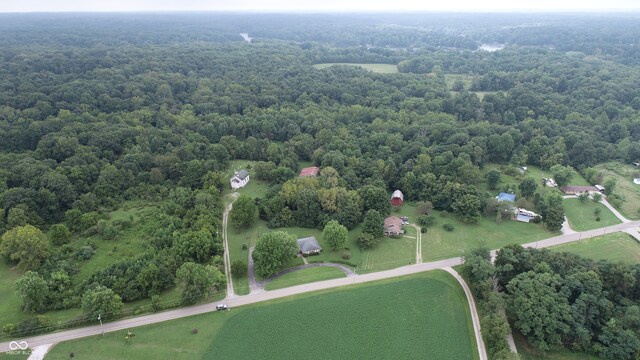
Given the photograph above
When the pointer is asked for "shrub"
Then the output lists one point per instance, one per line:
(244, 247)
(60, 234)
(85, 252)
(34, 325)
(448, 227)
(423, 230)
(346, 255)
(598, 218)
(194, 331)
(597, 211)
(426, 220)
(9, 329)
(71, 355)
(536, 220)
(444, 213)
(155, 303)
(367, 241)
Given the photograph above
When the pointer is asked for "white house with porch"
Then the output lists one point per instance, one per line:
(239, 179)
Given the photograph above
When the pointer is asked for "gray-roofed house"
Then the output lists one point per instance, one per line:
(309, 246)
(239, 179)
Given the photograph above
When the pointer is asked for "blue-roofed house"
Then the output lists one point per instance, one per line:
(506, 197)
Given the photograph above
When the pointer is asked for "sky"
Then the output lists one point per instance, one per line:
(316, 5)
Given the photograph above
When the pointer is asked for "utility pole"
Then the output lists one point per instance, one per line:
(101, 329)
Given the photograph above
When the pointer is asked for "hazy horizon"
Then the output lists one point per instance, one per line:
(28, 6)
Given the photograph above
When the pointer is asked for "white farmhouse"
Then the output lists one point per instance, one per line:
(240, 179)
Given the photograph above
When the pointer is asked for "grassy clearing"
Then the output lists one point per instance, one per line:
(377, 68)
(623, 174)
(419, 316)
(129, 243)
(450, 79)
(254, 188)
(440, 244)
(582, 217)
(527, 353)
(304, 276)
(613, 247)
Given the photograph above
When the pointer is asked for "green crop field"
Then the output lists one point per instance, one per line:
(623, 174)
(304, 276)
(377, 68)
(582, 217)
(614, 247)
(422, 316)
(440, 244)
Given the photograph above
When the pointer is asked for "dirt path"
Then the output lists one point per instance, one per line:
(225, 236)
(475, 319)
(254, 285)
(418, 243)
(294, 290)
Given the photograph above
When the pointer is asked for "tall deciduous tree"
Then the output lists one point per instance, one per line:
(528, 187)
(375, 198)
(562, 174)
(335, 235)
(373, 224)
(243, 214)
(493, 179)
(195, 246)
(539, 306)
(101, 301)
(33, 290)
(467, 208)
(25, 245)
(197, 281)
(273, 250)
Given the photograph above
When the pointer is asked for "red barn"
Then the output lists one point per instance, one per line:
(309, 171)
(397, 198)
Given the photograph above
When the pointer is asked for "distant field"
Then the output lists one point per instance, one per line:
(613, 247)
(304, 276)
(532, 171)
(377, 68)
(624, 174)
(581, 215)
(423, 316)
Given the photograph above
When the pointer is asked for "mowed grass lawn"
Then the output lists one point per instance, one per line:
(422, 316)
(377, 68)
(613, 247)
(304, 276)
(582, 217)
(439, 244)
(623, 174)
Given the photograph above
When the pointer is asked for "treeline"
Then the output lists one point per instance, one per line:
(557, 300)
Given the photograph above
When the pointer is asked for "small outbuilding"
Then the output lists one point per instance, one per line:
(393, 226)
(309, 246)
(240, 179)
(397, 198)
(599, 187)
(502, 197)
(577, 190)
(309, 171)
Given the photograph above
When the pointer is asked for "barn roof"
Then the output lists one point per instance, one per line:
(309, 171)
(397, 195)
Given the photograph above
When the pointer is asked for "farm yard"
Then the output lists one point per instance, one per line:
(439, 244)
(613, 247)
(376, 68)
(418, 316)
(582, 216)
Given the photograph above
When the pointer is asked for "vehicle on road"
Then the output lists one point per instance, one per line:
(221, 307)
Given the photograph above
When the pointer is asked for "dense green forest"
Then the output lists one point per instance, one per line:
(101, 111)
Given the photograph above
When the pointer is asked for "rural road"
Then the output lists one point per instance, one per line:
(233, 301)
